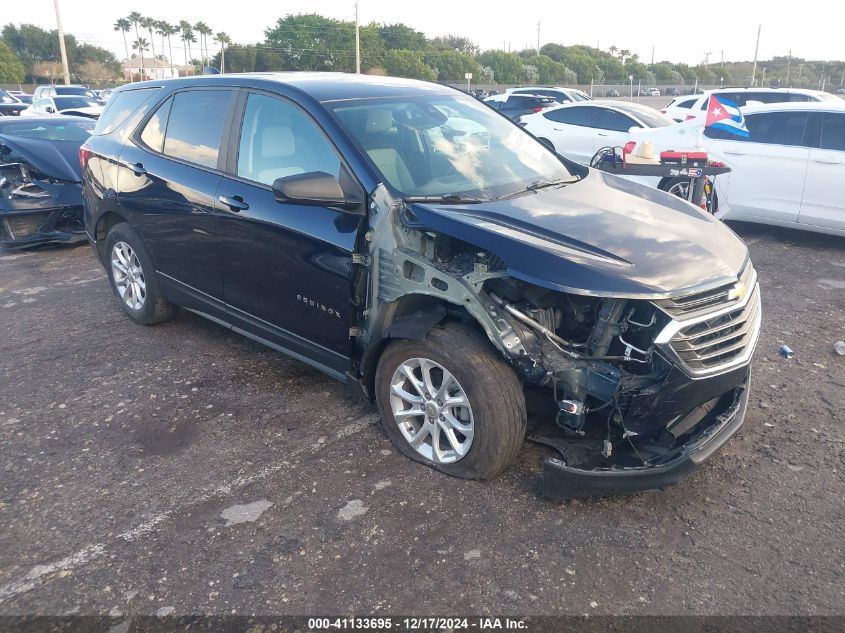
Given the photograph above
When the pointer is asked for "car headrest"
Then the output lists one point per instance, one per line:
(277, 141)
(379, 120)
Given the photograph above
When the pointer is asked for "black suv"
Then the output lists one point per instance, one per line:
(515, 106)
(400, 236)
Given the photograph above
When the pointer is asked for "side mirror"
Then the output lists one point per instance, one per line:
(315, 188)
(51, 110)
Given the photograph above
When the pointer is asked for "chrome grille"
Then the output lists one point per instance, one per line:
(711, 337)
(700, 303)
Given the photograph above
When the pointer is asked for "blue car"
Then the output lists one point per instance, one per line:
(400, 236)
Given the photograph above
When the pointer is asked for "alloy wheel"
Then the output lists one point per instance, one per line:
(128, 275)
(432, 410)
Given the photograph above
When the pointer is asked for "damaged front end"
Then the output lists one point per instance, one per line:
(37, 209)
(639, 389)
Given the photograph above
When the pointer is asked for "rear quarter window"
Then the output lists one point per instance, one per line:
(119, 107)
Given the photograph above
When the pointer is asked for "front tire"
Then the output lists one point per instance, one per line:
(133, 278)
(450, 402)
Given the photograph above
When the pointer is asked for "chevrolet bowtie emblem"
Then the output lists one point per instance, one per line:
(737, 292)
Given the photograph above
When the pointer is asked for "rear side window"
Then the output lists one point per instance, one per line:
(195, 125)
(153, 134)
(833, 132)
(614, 121)
(119, 107)
(571, 116)
(686, 104)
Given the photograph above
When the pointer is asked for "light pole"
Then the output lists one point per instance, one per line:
(62, 42)
(357, 43)
(631, 79)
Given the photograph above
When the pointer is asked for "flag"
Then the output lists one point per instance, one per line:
(725, 115)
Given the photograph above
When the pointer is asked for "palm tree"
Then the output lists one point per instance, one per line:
(149, 24)
(624, 54)
(203, 29)
(187, 37)
(142, 46)
(165, 29)
(123, 25)
(224, 40)
(613, 51)
(135, 18)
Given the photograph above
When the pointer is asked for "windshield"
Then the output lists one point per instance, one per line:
(74, 90)
(5, 97)
(580, 96)
(59, 131)
(445, 145)
(65, 103)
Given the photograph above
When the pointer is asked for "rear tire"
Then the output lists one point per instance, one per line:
(488, 432)
(133, 278)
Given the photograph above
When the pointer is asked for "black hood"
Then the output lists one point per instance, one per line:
(57, 159)
(602, 236)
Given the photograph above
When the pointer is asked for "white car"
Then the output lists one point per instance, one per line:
(65, 104)
(744, 96)
(678, 109)
(561, 95)
(653, 92)
(578, 130)
(788, 172)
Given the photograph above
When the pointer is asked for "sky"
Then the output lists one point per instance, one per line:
(678, 31)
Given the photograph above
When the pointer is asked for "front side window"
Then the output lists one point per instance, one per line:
(195, 125)
(444, 144)
(278, 139)
(776, 128)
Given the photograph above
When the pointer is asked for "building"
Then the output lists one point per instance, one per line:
(153, 69)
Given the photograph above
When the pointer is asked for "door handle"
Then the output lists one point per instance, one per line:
(734, 153)
(827, 161)
(135, 168)
(235, 203)
(600, 134)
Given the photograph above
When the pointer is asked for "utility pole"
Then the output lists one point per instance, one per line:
(788, 64)
(756, 49)
(707, 58)
(357, 43)
(62, 43)
(538, 38)
(652, 55)
(723, 60)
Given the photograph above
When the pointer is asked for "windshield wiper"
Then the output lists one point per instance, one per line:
(446, 197)
(539, 184)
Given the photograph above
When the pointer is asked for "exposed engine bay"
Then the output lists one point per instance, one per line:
(618, 394)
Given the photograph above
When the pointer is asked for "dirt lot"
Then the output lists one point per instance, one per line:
(181, 468)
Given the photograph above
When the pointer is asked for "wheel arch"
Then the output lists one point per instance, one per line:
(412, 316)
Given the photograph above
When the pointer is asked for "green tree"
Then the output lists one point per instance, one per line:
(239, 58)
(454, 43)
(399, 63)
(451, 65)
(224, 40)
(401, 36)
(507, 67)
(11, 69)
(149, 24)
(313, 42)
(187, 36)
(123, 25)
(204, 31)
(135, 18)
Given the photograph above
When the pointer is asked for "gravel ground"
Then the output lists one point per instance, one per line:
(183, 469)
